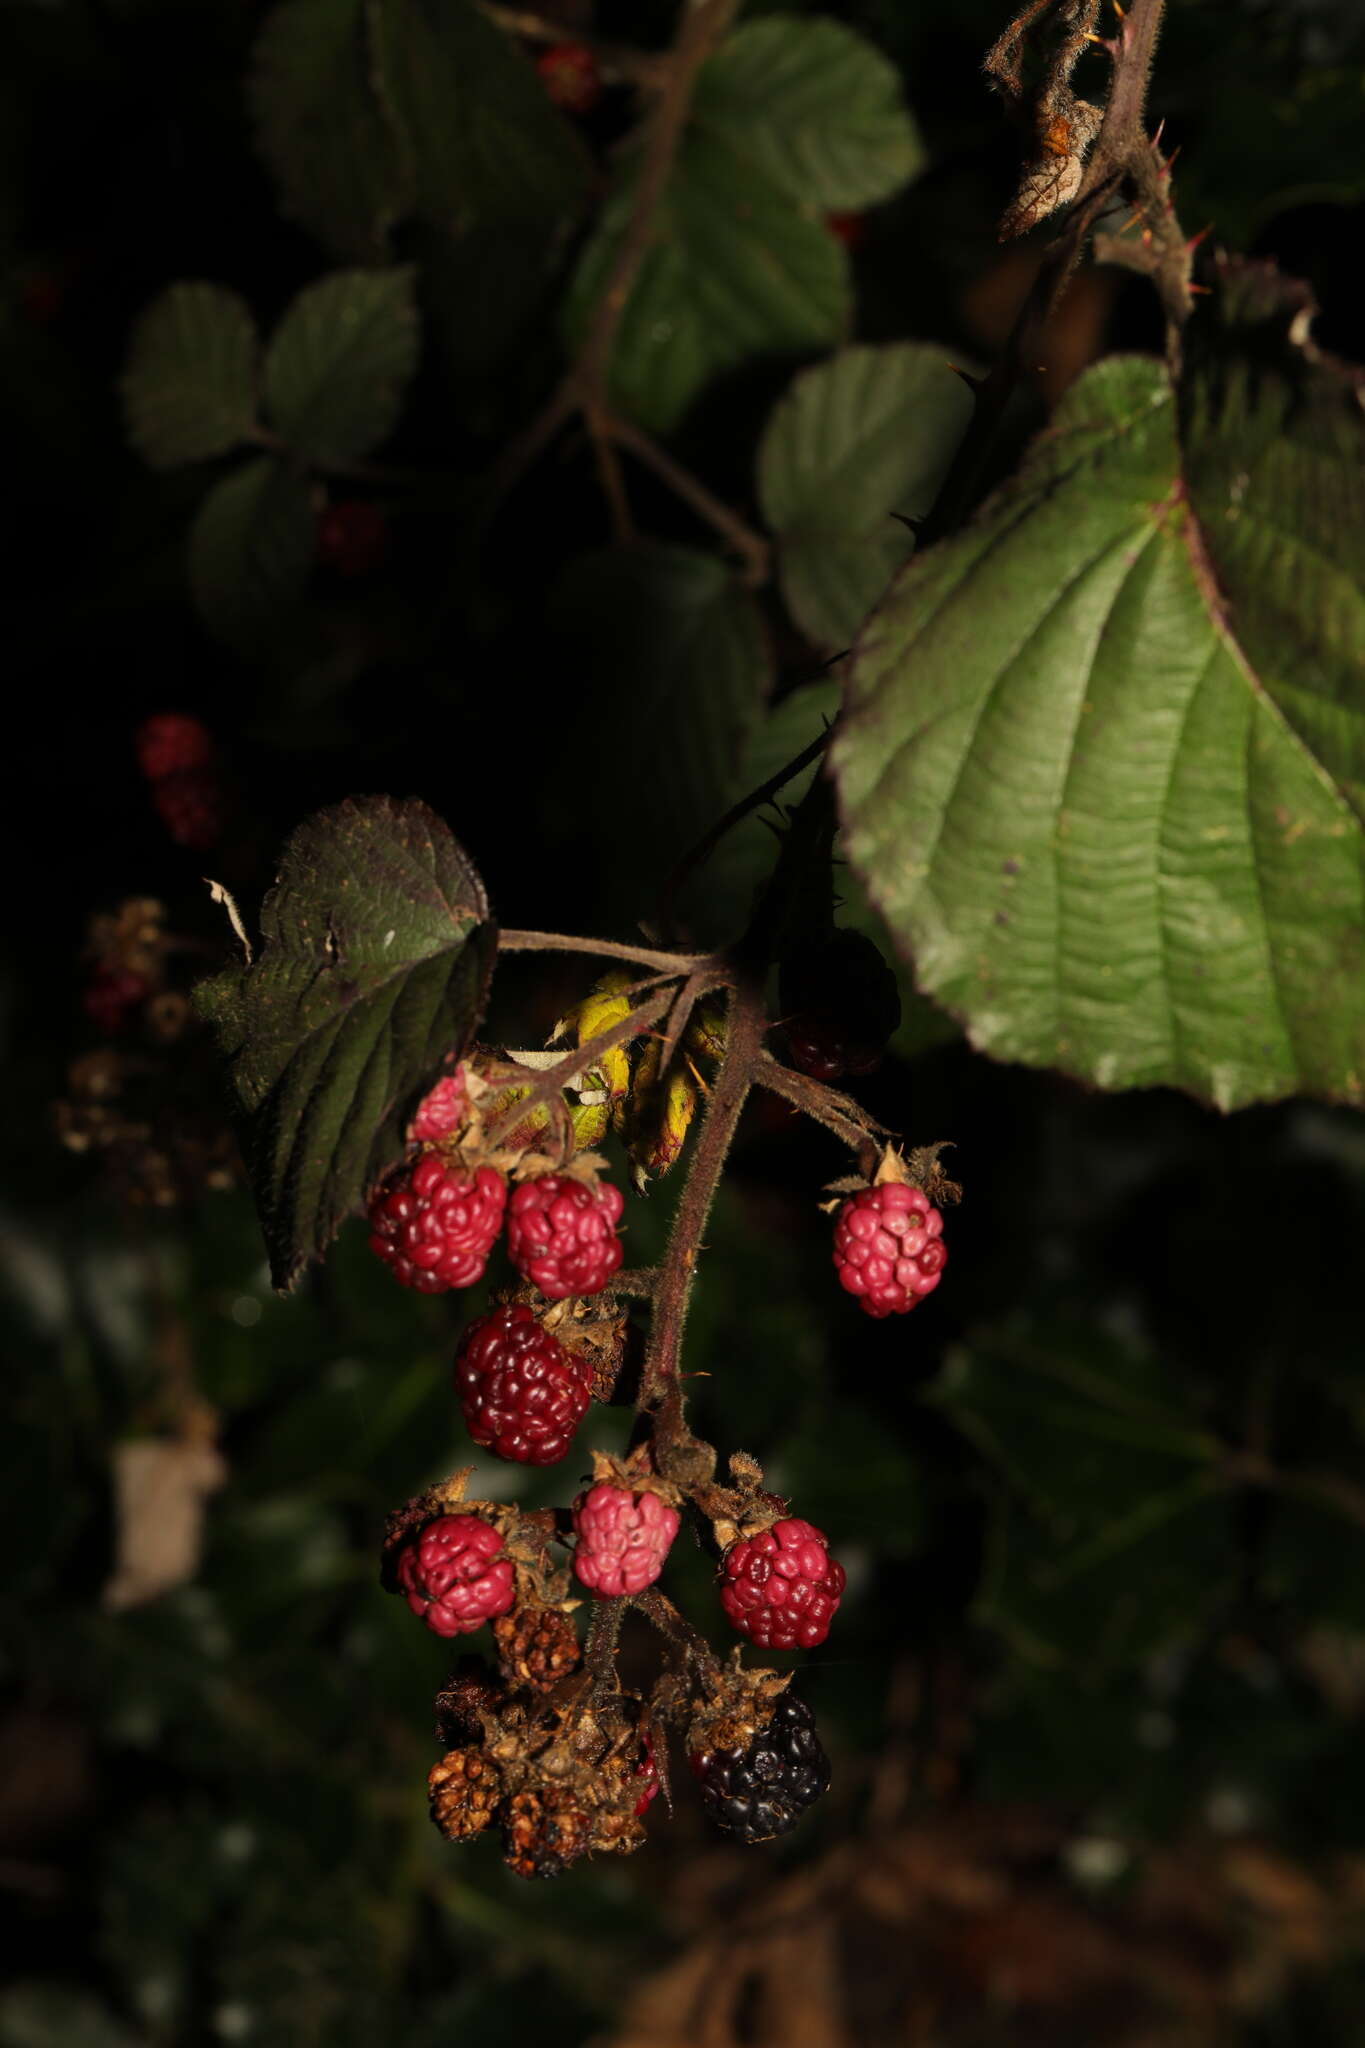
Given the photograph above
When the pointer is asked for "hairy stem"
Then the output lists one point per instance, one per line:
(661, 1383)
(552, 1079)
(838, 1113)
(605, 949)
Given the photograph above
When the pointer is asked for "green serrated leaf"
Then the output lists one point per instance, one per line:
(814, 107)
(340, 362)
(856, 441)
(250, 551)
(723, 282)
(481, 138)
(377, 947)
(682, 666)
(189, 385)
(334, 155)
(1102, 770)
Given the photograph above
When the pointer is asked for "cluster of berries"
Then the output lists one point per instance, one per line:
(437, 1219)
(757, 1776)
(179, 759)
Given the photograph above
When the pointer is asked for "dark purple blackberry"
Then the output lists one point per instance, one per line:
(762, 1791)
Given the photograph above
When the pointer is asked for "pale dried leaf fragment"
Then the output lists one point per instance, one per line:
(161, 1488)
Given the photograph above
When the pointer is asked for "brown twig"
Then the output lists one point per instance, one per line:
(604, 949)
(584, 386)
(752, 547)
(838, 1113)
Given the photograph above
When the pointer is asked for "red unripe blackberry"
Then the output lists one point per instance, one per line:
(452, 1575)
(110, 994)
(353, 537)
(888, 1248)
(647, 1771)
(569, 73)
(623, 1539)
(781, 1588)
(442, 1110)
(522, 1393)
(172, 743)
(561, 1234)
(762, 1790)
(435, 1224)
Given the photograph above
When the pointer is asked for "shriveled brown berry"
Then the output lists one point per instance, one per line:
(537, 1647)
(545, 1831)
(464, 1789)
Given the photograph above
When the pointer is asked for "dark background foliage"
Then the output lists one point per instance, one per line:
(1095, 1693)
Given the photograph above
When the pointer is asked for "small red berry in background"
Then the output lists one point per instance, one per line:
(849, 228)
(173, 743)
(522, 1393)
(888, 1248)
(435, 1224)
(353, 538)
(178, 756)
(453, 1577)
(781, 1588)
(569, 73)
(111, 995)
(623, 1539)
(561, 1234)
(191, 807)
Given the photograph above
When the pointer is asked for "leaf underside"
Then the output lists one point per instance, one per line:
(377, 948)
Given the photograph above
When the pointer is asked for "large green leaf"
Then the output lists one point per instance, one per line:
(855, 442)
(1104, 766)
(480, 135)
(250, 550)
(734, 271)
(340, 362)
(681, 667)
(812, 106)
(336, 159)
(189, 386)
(1112, 1530)
(377, 946)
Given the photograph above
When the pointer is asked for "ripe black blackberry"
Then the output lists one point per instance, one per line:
(761, 1791)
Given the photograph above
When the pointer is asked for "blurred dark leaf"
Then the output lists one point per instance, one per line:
(190, 382)
(340, 362)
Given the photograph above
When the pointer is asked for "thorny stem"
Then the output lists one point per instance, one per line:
(613, 59)
(698, 855)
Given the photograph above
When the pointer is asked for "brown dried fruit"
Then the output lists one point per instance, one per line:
(537, 1646)
(464, 1789)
